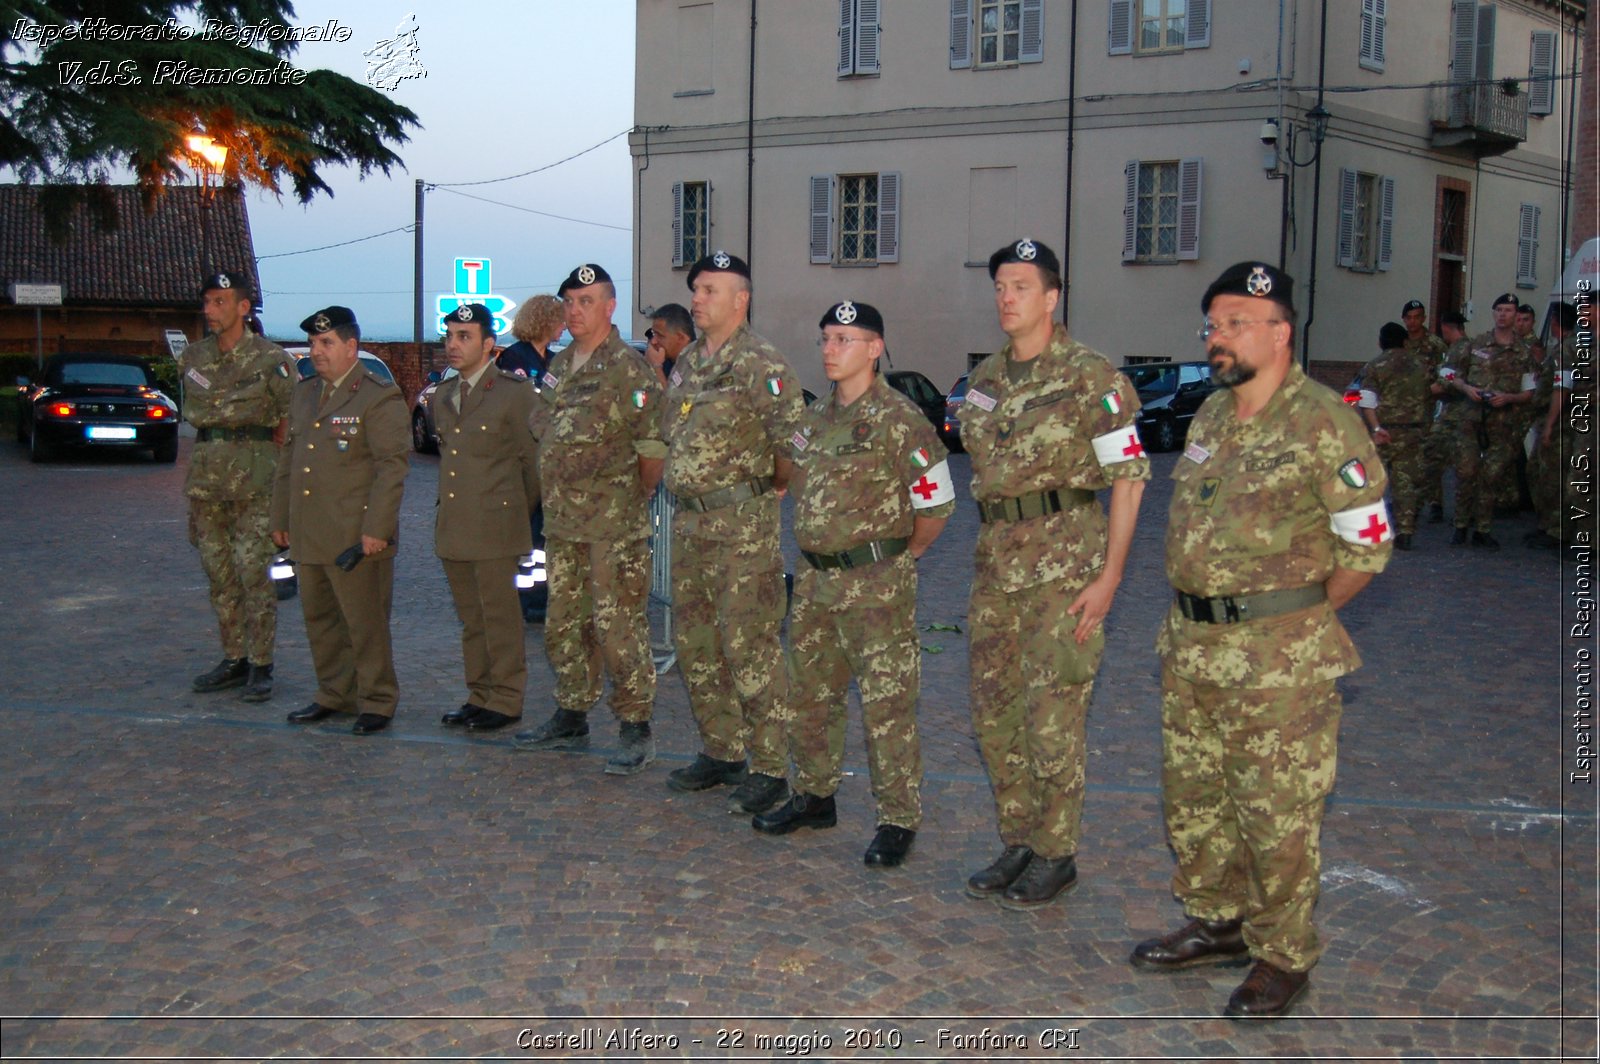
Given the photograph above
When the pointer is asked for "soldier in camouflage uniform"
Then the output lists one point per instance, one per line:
(1429, 349)
(1494, 374)
(1549, 399)
(236, 395)
(1277, 521)
(1048, 422)
(872, 492)
(1396, 401)
(598, 422)
(1442, 433)
(732, 405)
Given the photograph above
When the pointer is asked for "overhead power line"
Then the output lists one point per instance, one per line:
(535, 170)
(530, 210)
(408, 227)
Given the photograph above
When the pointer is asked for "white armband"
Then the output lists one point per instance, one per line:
(1365, 525)
(1368, 400)
(933, 488)
(1118, 445)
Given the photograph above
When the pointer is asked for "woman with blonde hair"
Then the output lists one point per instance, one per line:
(538, 323)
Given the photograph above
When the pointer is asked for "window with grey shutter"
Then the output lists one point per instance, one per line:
(1483, 61)
(866, 36)
(1189, 209)
(1197, 29)
(1374, 16)
(822, 218)
(960, 34)
(847, 37)
(1385, 222)
(889, 216)
(1032, 50)
(1541, 72)
(1528, 246)
(1130, 207)
(1119, 28)
(1463, 58)
(1347, 218)
(677, 223)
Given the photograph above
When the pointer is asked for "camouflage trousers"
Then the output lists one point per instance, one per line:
(1405, 458)
(1440, 452)
(236, 553)
(867, 629)
(1544, 484)
(1030, 697)
(1484, 475)
(1244, 775)
(597, 618)
(727, 606)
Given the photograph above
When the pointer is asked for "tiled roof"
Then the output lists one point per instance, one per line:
(150, 259)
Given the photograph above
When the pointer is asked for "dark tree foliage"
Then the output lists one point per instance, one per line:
(70, 138)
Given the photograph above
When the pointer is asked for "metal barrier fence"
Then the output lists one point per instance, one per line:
(662, 507)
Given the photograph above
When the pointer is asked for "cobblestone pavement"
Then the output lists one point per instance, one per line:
(187, 875)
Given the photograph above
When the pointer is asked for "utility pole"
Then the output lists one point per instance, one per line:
(416, 270)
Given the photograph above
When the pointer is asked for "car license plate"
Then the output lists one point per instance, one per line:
(111, 432)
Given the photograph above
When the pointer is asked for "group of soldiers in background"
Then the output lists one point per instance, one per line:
(1278, 514)
(1497, 408)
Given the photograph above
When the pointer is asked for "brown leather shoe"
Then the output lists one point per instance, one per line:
(1266, 992)
(1195, 943)
(991, 882)
(1043, 881)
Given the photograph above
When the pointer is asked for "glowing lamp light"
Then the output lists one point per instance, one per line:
(208, 149)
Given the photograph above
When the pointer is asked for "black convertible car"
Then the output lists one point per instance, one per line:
(97, 401)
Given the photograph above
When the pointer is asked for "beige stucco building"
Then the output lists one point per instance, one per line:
(880, 150)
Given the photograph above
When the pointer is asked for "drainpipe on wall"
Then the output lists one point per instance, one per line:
(1072, 121)
(750, 152)
(1316, 197)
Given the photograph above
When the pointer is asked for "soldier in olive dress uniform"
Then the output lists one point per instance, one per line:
(1277, 521)
(336, 505)
(236, 393)
(732, 406)
(488, 487)
(1048, 422)
(598, 422)
(871, 493)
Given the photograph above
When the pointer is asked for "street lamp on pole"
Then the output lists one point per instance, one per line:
(208, 173)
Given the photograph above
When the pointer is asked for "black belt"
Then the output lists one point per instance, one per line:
(1406, 425)
(1231, 609)
(248, 432)
(866, 554)
(728, 496)
(1034, 504)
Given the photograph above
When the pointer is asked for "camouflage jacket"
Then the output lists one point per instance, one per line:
(1061, 420)
(247, 386)
(1485, 364)
(728, 415)
(1401, 378)
(866, 471)
(593, 425)
(1253, 511)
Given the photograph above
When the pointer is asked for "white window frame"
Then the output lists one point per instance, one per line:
(1374, 30)
(827, 218)
(1528, 245)
(1188, 173)
(682, 255)
(1370, 223)
(858, 38)
(1123, 23)
(966, 34)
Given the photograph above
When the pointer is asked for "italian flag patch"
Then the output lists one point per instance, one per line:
(920, 458)
(640, 396)
(1354, 473)
(775, 385)
(1112, 402)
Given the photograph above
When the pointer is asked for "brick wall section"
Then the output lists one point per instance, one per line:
(1585, 205)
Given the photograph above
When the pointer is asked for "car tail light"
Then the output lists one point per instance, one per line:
(156, 412)
(60, 410)
(1352, 396)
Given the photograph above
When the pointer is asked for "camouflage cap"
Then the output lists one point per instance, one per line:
(861, 315)
(1391, 336)
(720, 262)
(470, 312)
(327, 319)
(584, 276)
(235, 282)
(1252, 279)
(1025, 250)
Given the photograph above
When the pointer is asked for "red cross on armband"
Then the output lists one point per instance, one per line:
(1365, 526)
(1134, 449)
(933, 488)
(1118, 445)
(925, 487)
(1374, 530)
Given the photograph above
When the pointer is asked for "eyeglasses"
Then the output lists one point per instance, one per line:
(840, 341)
(1232, 327)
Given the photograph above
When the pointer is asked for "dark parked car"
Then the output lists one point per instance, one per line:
(424, 433)
(370, 361)
(920, 390)
(950, 428)
(100, 401)
(1169, 395)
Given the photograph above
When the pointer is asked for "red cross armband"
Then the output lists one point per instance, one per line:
(1365, 526)
(933, 488)
(1118, 445)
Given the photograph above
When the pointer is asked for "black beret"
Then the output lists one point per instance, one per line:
(584, 276)
(721, 262)
(469, 312)
(1526, 308)
(1415, 304)
(1025, 250)
(1507, 300)
(1391, 336)
(327, 319)
(861, 315)
(234, 281)
(1252, 279)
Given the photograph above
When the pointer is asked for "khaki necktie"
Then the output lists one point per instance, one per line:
(461, 396)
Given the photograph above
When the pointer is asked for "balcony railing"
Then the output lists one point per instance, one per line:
(1482, 117)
